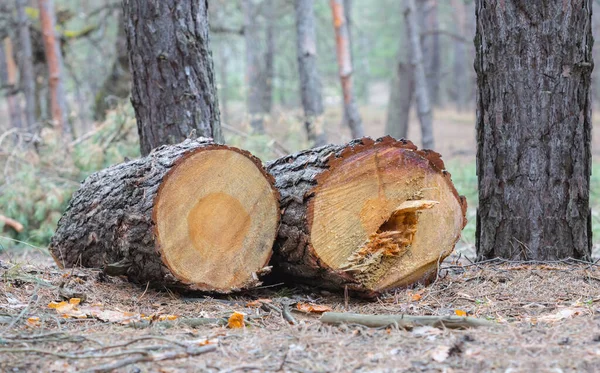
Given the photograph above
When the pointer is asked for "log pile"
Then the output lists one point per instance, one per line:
(367, 216)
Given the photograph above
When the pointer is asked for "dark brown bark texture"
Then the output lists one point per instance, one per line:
(310, 82)
(109, 219)
(174, 89)
(533, 64)
(295, 177)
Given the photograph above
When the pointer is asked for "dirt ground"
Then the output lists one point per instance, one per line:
(545, 315)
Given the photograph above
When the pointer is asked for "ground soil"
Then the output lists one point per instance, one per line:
(546, 315)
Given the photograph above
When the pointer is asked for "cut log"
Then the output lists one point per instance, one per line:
(196, 215)
(369, 215)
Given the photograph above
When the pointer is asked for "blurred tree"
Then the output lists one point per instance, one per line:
(8, 78)
(533, 129)
(421, 88)
(401, 92)
(310, 81)
(55, 66)
(460, 65)
(26, 65)
(344, 58)
(174, 93)
(427, 11)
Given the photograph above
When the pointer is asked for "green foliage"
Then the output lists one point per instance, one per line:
(36, 187)
(465, 180)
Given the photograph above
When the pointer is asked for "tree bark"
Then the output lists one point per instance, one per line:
(344, 57)
(430, 43)
(310, 81)
(533, 64)
(421, 91)
(401, 94)
(347, 221)
(173, 93)
(117, 85)
(8, 80)
(26, 64)
(269, 56)
(195, 215)
(460, 66)
(255, 74)
(54, 61)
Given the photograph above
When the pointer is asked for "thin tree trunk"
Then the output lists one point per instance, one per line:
(254, 70)
(461, 67)
(310, 81)
(8, 81)
(401, 94)
(421, 91)
(224, 88)
(54, 61)
(117, 84)
(269, 56)
(344, 58)
(26, 64)
(174, 93)
(430, 44)
(533, 129)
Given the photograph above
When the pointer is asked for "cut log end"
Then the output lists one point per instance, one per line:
(384, 215)
(216, 216)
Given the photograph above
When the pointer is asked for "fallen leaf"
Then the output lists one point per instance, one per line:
(236, 320)
(564, 313)
(67, 310)
(167, 317)
(33, 321)
(258, 302)
(460, 313)
(307, 307)
(416, 297)
(75, 301)
(440, 353)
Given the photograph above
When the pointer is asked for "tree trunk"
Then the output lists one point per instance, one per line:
(224, 88)
(255, 74)
(310, 81)
(421, 91)
(195, 215)
(54, 61)
(533, 129)
(8, 80)
(117, 85)
(347, 221)
(401, 94)
(174, 93)
(26, 64)
(344, 57)
(269, 56)
(430, 43)
(460, 66)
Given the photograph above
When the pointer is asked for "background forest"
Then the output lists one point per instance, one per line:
(39, 172)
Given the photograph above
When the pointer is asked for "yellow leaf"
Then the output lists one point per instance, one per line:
(460, 313)
(236, 320)
(258, 302)
(57, 305)
(33, 321)
(74, 301)
(416, 297)
(307, 307)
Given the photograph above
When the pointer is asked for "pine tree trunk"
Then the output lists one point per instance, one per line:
(369, 215)
(344, 57)
(54, 61)
(26, 65)
(430, 43)
(310, 81)
(8, 81)
(269, 56)
(460, 66)
(254, 67)
(421, 89)
(195, 215)
(173, 93)
(534, 62)
(401, 94)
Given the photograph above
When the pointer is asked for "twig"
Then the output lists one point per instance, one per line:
(286, 314)
(11, 223)
(375, 321)
(152, 358)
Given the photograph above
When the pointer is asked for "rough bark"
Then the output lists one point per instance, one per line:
(112, 220)
(421, 90)
(401, 94)
(117, 84)
(533, 63)
(8, 81)
(26, 64)
(255, 74)
(344, 58)
(54, 61)
(269, 55)
(300, 178)
(173, 93)
(460, 67)
(427, 11)
(310, 81)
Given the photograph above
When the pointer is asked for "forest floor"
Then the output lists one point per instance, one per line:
(547, 318)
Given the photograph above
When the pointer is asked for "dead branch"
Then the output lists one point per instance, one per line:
(11, 223)
(375, 321)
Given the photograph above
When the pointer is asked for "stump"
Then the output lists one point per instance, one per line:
(196, 215)
(369, 215)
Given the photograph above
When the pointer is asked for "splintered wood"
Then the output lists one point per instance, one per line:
(370, 215)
